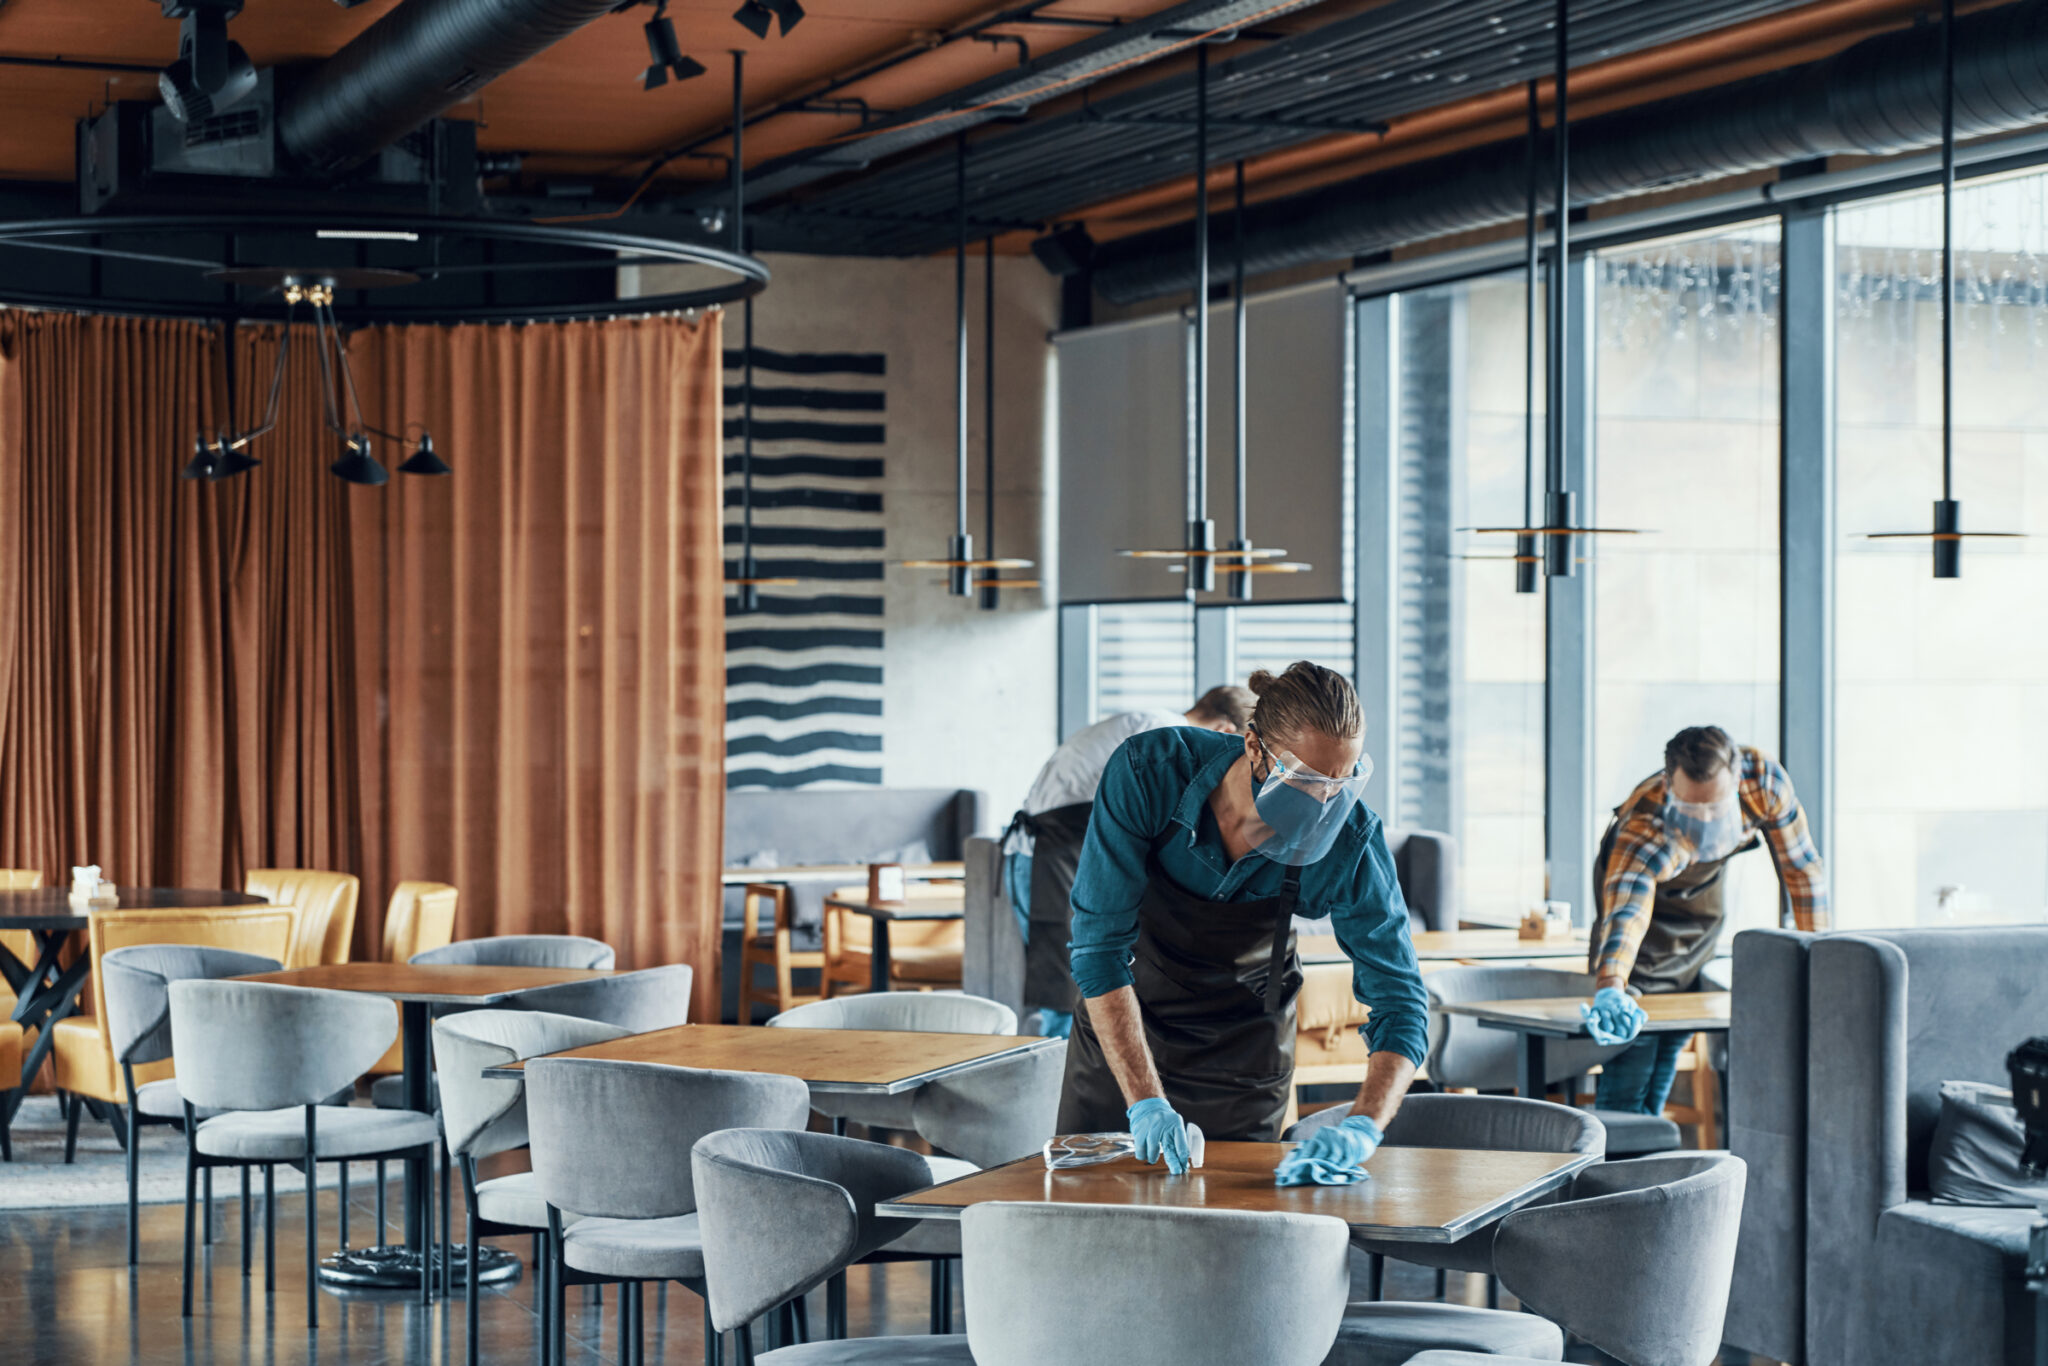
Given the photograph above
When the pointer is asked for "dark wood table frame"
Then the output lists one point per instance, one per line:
(47, 991)
(1536, 1022)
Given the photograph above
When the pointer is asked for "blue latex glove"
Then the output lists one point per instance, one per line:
(1334, 1155)
(1159, 1132)
(1614, 1017)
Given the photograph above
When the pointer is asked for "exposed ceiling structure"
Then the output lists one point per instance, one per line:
(1076, 111)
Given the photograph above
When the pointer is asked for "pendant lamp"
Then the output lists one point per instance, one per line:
(1948, 530)
(1559, 532)
(748, 582)
(959, 562)
(992, 581)
(1199, 554)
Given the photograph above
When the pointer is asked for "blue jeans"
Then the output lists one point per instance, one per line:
(1638, 1079)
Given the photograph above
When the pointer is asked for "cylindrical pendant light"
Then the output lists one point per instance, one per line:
(1560, 548)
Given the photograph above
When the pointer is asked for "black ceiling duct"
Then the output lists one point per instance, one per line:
(1880, 97)
(414, 63)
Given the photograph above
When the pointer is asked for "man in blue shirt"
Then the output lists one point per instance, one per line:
(1201, 849)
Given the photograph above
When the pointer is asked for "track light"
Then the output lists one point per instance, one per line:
(357, 465)
(756, 15)
(201, 464)
(667, 53)
(423, 460)
(212, 73)
(231, 458)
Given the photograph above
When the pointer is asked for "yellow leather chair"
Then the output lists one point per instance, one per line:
(924, 955)
(421, 916)
(83, 1053)
(20, 943)
(326, 904)
(10, 1072)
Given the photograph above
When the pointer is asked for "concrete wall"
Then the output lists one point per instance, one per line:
(968, 695)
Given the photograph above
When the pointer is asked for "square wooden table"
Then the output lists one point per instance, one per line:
(1462, 946)
(1423, 1195)
(923, 902)
(1537, 1021)
(874, 1062)
(417, 987)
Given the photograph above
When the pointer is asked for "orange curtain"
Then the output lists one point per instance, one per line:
(540, 638)
(155, 634)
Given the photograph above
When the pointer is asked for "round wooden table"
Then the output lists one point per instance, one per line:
(48, 990)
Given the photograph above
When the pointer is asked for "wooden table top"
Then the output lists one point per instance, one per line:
(1680, 1012)
(921, 903)
(856, 1061)
(1436, 946)
(914, 871)
(50, 908)
(434, 983)
(1425, 1195)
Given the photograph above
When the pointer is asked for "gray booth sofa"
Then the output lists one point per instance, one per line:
(1839, 1046)
(836, 825)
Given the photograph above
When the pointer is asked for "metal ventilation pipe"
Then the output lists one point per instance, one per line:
(1879, 97)
(414, 63)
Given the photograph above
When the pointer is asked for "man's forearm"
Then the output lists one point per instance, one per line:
(1386, 1081)
(1121, 1031)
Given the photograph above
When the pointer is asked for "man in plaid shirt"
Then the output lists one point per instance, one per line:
(1660, 877)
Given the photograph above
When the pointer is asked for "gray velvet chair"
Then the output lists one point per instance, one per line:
(931, 1012)
(638, 1002)
(1114, 1283)
(785, 1212)
(1465, 1053)
(1496, 1123)
(1659, 1298)
(524, 951)
(481, 1116)
(611, 1141)
(134, 989)
(268, 1056)
(1891, 1275)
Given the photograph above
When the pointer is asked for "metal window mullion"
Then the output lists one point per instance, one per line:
(1806, 514)
(1215, 648)
(1375, 620)
(1077, 668)
(1569, 831)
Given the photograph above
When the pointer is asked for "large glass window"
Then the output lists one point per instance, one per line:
(1273, 637)
(1469, 685)
(1941, 807)
(1144, 657)
(1686, 450)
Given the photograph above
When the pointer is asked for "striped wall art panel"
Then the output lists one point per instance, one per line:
(803, 675)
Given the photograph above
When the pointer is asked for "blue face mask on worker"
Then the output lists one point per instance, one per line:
(1712, 829)
(1302, 810)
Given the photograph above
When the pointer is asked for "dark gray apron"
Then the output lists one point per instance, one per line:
(1686, 914)
(1057, 836)
(1216, 982)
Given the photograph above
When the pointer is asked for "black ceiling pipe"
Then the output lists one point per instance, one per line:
(416, 62)
(1880, 97)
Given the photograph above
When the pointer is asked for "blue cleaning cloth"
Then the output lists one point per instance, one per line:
(1300, 1169)
(1334, 1155)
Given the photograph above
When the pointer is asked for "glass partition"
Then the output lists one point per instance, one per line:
(1144, 657)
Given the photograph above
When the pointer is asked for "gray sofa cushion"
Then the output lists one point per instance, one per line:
(1767, 1129)
(1949, 1284)
(1974, 1158)
(1426, 866)
(1388, 1334)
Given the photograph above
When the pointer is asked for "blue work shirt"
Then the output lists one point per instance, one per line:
(1155, 798)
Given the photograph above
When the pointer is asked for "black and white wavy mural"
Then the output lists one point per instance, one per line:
(803, 675)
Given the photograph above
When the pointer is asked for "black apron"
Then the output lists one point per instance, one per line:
(1056, 839)
(1216, 982)
(1686, 914)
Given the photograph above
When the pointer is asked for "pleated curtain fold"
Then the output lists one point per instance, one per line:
(511, 679)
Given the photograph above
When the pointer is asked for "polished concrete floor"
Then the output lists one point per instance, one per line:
(68, 1298)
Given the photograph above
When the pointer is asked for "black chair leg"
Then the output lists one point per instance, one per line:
(447, 1226)
(714, 1341)
(743, 1343)
(1443, 1284)
(472, 1291)
(803, 1319)
(558, 1289)
(343, 1207)
(382, 1187)
(269, 1227)
(1376, 1277)
(71, 1130)
(245, 1221)
(6, 1141)
(134, 1177)
(427, 1231)
(835, 1307)
(191, 1187)
(1493, 1292)
(205, 1203)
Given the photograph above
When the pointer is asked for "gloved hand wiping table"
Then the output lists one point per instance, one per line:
(1334, 1155)
(1613, 1017)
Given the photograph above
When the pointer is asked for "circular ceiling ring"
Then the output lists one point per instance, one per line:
(334, 277)
(397, 241)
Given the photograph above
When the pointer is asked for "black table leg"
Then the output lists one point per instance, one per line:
(878, 954)
(41, 1004)
(1532, 1051)
(413, 1050)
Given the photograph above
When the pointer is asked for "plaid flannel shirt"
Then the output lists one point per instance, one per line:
(1645, 854)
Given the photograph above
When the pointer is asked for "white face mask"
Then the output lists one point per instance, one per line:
(1713, 829)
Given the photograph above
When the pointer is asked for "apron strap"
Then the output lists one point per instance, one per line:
(1290, 894)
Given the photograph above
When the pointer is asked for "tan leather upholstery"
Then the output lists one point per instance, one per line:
(84, 1056)
(923, 954)
(11, 1045)
(421, 916)
(327, 910)
(20, 943)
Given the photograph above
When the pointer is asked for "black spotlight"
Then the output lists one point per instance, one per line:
(230, 460)
(788, 11)
(358, 466)
(423, 460)
(1065, 251)
(201, 464)
(666, 52)
(755, 18)
(211, 73)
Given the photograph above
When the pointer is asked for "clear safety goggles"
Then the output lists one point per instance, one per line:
(1303, 811)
